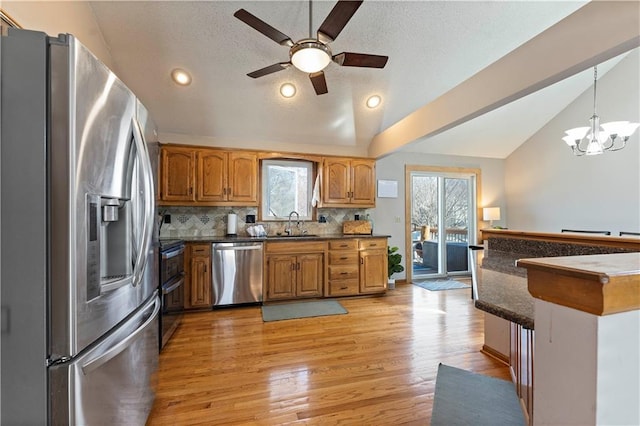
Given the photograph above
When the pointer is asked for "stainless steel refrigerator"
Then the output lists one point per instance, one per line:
(79, 262)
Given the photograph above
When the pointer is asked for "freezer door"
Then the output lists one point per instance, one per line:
(114, 382)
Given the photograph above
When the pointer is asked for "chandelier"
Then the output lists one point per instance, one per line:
(598, 138)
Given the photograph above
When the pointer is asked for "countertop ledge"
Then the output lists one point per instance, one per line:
(242, 239)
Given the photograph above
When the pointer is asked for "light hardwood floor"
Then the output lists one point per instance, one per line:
(375, 366)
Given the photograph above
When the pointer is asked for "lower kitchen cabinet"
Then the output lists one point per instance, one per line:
(197, 289)
(294, 276)
(373, 265)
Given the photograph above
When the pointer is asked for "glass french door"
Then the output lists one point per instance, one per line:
(443, 223)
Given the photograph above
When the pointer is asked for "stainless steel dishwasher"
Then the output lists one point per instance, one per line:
(237, 273)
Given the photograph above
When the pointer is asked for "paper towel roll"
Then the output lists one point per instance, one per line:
(232, 224)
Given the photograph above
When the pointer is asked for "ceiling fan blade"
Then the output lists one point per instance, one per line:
(261, 26)
(319, 83)
(337, 19)
(269, 70)
(348, 59)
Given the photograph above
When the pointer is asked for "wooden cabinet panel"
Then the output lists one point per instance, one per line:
(343, 245)
(243, 177)
(362, 182)
(335, 181)
(201, 176)
(343, 257)
(281, 277)
(294, 276)
(309, 274)
(177, 174)
(198, 279)
(343, 272)
(373, 271)
(344, 287)
(212, 172)
(348, 181)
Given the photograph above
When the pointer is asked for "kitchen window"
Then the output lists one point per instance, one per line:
(287, 186)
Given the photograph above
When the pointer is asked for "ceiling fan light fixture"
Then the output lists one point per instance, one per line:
(287, 90)
(181, 77)
(310, 56)
(374, 101)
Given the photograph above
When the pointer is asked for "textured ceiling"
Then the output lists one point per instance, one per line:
(432, 47)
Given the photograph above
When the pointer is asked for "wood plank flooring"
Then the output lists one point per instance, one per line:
(376, 365)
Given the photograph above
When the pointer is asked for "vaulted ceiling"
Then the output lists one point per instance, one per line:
(432, 46)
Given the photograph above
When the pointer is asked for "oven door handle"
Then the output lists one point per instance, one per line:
(175, 285)
(172, 253)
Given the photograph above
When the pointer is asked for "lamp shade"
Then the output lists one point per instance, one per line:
(491, 213)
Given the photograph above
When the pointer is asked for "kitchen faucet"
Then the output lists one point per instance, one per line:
(288, 230)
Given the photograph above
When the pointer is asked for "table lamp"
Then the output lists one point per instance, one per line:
(491, 214)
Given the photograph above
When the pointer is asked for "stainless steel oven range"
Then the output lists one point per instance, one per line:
(171, 287)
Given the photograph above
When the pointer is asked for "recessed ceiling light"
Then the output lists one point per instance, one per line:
(181, 77)
(374, 101)
(288, 90)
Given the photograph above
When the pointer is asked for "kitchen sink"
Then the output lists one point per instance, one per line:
(293, 236)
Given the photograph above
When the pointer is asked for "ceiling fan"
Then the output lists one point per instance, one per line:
(312, 55)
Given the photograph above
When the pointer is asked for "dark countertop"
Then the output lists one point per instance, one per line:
(241, 239)
(502, 287)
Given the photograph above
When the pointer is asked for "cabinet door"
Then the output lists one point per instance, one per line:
(177, 174)
(212, 172)
(335, 181)
(243, 177)
(200, 294)
(309, 275)
(281, 277)
(363, 182)
(373, 271)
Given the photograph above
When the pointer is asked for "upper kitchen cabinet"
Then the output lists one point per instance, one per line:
(227, 177)
(211, 177)
(348, 182)
(177, 174)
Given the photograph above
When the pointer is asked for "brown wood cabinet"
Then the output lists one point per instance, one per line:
(207, 176)
(294, 270)
(344, 270)
(347, 182)
(197, 291)
(177, 174)
(373, 265)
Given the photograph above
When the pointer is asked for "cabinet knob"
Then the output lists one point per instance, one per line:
(344, 258)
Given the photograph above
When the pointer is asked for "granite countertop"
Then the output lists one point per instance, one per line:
(241, 239)
(502, 287)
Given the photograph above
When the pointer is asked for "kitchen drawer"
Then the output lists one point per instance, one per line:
(343, 272)
(343, 287)
(200, 249)
(372, 243)
(343, 258)
(295, 247)
(343, 245)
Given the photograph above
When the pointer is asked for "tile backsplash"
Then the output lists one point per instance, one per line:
(212, 221)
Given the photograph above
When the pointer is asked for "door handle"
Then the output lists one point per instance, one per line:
(100, 360)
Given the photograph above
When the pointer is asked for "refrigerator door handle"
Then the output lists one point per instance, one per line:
(147, 222)
(101, 359)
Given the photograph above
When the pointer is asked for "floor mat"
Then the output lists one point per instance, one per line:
(466, 398)
(301, 310)
(437, 285)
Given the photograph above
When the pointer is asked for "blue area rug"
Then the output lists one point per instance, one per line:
(286, 311)
(465, 398)
(437, 285)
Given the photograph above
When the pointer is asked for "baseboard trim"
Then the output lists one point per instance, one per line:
(488, 350)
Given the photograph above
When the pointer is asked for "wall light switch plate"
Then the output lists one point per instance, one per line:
(397, 219)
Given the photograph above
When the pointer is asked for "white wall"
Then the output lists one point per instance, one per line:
(548, 188)
(55, 17)
(393, 168)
